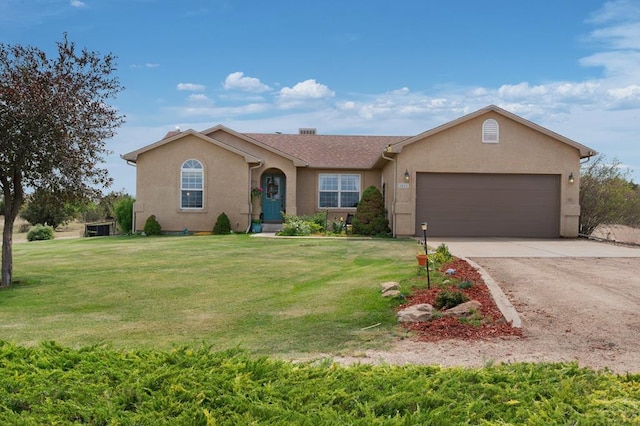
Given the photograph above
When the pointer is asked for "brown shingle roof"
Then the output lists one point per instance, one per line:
(330, 151)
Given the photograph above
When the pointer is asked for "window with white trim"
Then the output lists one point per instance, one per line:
(338, 190)
(191, 185)
(490, 131)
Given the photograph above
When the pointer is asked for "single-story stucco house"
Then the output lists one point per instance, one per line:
(488, 173)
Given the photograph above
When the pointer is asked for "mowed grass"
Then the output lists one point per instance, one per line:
(268, 296)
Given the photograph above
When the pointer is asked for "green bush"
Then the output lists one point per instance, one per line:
(371, 216)
(449, 299)
(123, 211)
(465, 285)
(152, 226)
(52, 384)
(442, 254)
(40, 232)
(296, 226)
(222, 225)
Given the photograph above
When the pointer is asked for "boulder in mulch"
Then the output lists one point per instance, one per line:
(416, 313)
(463, 310)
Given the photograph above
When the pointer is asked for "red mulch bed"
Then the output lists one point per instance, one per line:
(493, 324)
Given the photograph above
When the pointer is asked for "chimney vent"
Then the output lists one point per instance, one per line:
(307, 131)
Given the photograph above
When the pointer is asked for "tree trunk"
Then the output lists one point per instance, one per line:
(7, 251)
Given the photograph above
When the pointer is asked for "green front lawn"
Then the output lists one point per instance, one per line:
(268, 296)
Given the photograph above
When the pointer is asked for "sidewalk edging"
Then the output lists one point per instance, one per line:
(502, 302)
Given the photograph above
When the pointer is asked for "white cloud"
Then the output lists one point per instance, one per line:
(198, 97)
(237, 81)
(77, 3)
(191, 87)
(308, 89)
(150, 65)
(401, 91)
(520, 91)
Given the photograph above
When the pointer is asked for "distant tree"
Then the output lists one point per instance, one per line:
(123, 211)
(54, 119)
(371, 216)
(47, 208)
(606, 196)
(103, 208)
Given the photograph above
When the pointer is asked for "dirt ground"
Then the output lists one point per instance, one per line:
(592, 317)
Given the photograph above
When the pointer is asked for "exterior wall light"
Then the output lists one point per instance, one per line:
(407, 176)
(571, 180)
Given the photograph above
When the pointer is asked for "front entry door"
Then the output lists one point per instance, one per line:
(273, 197)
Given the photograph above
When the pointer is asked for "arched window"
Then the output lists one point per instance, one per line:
(490, 131)
(191, 185)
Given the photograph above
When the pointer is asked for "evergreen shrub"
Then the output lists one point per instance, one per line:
(152, 226)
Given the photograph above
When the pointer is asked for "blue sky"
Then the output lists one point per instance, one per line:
(354, 67)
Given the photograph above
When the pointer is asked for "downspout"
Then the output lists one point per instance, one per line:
(260, 164)
(133, 206)
(395, 185)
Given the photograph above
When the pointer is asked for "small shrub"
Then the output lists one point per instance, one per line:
(465, 285)
(302, 225)
(223, 225)
(337, 227)
(449, 299)
(371, 216)
(475, 319)
(40, 232)
(442, 254)
(295, 226)
(152, 226)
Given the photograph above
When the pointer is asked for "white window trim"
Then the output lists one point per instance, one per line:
(490, 135)
(339, 191)
(182, 169)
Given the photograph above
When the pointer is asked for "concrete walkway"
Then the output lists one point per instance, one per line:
(531, 247)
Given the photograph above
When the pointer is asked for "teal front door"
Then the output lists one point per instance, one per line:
(273, 202)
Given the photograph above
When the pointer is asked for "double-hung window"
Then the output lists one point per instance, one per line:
(191, 185)
(338, 190)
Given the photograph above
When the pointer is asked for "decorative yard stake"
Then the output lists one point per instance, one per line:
(424, 233)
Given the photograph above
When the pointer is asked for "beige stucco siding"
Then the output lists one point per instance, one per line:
(460, 149)
(270, 162)
(308, 188)
(226, 179)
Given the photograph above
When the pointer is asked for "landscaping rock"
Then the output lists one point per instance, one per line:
(392, 293)
(391, 285)
(416, 313)
(463, 310)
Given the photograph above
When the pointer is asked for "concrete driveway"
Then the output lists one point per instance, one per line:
(576, 299)
(531, 247)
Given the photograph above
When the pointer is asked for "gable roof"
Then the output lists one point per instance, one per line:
(175, 135)
(330, 151)
(584, 151)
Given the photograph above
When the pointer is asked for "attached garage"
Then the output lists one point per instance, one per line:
(488, 205)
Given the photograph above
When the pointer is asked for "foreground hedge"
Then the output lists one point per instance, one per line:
(56, 385)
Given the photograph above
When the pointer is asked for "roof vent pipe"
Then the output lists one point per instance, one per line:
(307, 131)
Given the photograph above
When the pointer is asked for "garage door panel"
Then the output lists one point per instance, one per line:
(459, 204)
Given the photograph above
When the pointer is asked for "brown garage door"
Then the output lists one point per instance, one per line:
(488, 205)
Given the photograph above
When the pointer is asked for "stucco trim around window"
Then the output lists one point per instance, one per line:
(192, 185)
(340, 191)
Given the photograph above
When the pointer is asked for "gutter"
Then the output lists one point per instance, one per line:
(260, 164)
(395, 185)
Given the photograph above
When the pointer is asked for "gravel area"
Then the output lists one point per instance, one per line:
(572, 309)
